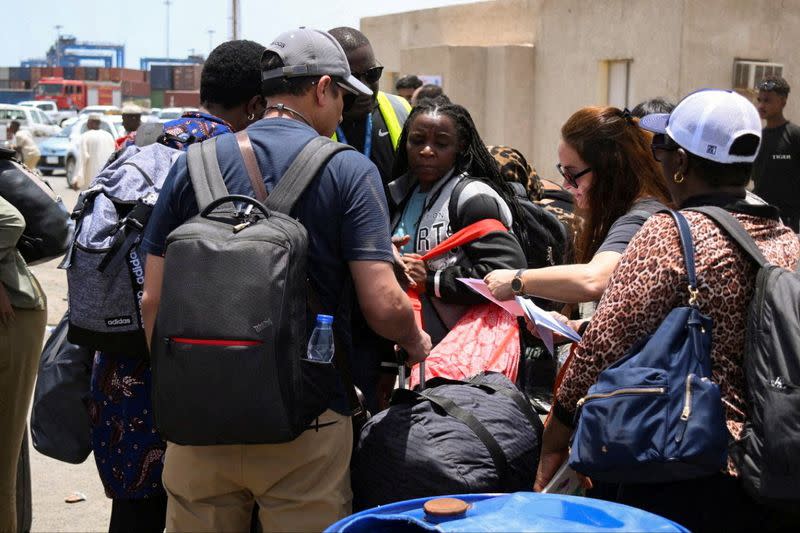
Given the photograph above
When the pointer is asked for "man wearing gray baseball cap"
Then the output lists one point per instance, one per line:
(303, 484)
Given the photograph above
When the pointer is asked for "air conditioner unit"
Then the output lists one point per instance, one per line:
(747, 74)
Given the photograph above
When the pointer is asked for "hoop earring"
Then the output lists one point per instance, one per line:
(251, 116)
(678, 177)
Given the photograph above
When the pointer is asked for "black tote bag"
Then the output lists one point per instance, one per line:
(60, 424)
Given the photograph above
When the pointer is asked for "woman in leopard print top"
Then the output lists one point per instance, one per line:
(648, 283)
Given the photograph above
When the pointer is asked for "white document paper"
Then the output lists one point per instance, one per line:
(546, 325)
(565, 481)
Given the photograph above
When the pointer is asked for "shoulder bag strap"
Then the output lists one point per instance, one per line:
(306, 166)
(204, 173)
(514, 395)
(495, 451)
(251, 164)
(735, 230)
(688, 253)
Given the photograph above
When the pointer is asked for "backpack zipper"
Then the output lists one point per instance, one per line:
(629, 390)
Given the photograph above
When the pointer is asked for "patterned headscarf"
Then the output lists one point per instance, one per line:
(192, 127)
(514, 167)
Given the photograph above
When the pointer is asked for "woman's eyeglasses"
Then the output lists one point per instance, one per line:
(370, 75)
(662, 143)
(572, 179)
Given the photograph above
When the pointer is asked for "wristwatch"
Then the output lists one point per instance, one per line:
(517, 285)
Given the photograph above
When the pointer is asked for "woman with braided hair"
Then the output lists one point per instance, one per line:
(606, 163)
(444, 179)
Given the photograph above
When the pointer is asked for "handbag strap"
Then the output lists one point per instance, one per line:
(687, 246)
(251, 165)
(513, 394)
(495, 451)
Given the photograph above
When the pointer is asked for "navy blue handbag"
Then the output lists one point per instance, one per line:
(655, 415)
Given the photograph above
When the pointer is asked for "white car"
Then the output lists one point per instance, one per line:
(61, 151)
(100, 109)
(29, 118)
(49, 108)
(171, 113)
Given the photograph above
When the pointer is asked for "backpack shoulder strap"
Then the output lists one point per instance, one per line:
(735, 230)
(204, 173)
(306, 166)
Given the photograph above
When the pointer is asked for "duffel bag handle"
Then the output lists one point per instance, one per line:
(234, 198)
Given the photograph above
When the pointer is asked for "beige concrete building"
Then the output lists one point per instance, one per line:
(523, 66)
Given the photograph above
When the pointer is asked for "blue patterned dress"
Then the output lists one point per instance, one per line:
(128, 450)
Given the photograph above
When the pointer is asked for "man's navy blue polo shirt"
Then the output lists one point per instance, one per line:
(344, 209)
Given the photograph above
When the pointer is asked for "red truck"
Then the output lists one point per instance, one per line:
(77, 94)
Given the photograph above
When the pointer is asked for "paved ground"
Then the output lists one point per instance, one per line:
(53, 480)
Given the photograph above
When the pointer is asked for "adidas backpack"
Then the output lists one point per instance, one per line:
(105, 271)
(229, 342)
(768, 456)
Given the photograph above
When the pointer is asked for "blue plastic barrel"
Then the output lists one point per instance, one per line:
(520, 511)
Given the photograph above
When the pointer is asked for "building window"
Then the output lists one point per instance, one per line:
(747, 74)
(615, 82)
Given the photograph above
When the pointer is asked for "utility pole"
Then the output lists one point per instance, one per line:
(210, 40)
(58, 43)
(167, 3)
(235, 19)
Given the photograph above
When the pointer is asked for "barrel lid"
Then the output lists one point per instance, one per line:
(445, 507)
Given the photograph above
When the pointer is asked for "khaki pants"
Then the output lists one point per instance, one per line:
(31, 161)
(303, 485)
(20, 349)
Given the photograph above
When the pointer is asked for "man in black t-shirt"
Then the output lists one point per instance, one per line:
(776, 171)
(370, 124)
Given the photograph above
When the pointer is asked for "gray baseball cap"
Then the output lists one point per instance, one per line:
(310, 52)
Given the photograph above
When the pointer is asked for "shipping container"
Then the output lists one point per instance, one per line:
(104, 74)
(131, 74)
(4, 73)
(36, 74)
(12, 97)
(80, 73)
(186, 78)
(90, 73)
(69, 73)
(156, 98)
(135, 88)
(19, 85)
(19, 73)
(161, 77)
(181, 99)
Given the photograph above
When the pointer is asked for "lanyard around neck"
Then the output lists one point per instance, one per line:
(367, 136)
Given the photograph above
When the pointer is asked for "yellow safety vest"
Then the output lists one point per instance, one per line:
(390, 117)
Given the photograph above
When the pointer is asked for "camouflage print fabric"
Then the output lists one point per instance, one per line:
(514, 167)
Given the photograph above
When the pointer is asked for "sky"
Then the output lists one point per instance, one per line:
(141, 25)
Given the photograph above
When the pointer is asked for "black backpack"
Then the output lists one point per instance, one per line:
(768, 456)
(230, 336)
(453, 438)
(547, 243)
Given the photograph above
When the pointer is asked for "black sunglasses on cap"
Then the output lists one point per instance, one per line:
(370, 75)
(571, 178)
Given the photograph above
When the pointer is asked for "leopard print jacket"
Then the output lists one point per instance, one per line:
(650, 281)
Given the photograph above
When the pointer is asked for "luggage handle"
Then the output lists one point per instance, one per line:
(401, 372)
(234, 198)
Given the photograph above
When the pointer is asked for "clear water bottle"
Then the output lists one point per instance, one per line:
(320, 346)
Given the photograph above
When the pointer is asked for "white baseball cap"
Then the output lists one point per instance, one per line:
(309, 52)
(707, 123)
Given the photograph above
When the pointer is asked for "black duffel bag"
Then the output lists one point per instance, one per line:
(453, 438)
(60, 423)
(48, 228)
